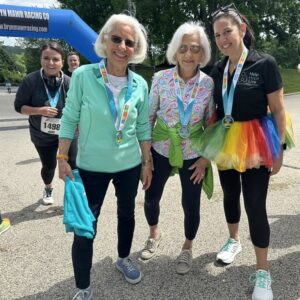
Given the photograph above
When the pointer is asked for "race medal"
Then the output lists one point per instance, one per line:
(50, 125)
(184, 131)
(227, 121)
(119, 137)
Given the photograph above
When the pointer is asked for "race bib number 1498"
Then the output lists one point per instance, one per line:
(50, 125)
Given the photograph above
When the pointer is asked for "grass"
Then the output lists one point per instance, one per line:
(290, 77)
(291, 80)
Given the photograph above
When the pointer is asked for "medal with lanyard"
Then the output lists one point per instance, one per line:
(185, 114)
(119, 124)
(51, 125)
(228, 98)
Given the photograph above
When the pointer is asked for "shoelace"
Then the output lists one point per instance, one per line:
(149, 244)
(260, 279)
(184, 257)
(230, 246)
(129, 265)
(81, 295)
(48, 192)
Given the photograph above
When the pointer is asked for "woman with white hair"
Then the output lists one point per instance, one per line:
(110, 104)
(181, 106)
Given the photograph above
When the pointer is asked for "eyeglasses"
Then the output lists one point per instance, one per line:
(193, 48)
(118, 40)
(225, 10)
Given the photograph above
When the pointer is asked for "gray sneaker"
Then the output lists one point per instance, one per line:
(184, 262)
(85, 294)
(150, 248)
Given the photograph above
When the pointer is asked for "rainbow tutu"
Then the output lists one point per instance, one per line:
(245, 145)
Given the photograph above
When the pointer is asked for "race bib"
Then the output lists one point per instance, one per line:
(50, 125)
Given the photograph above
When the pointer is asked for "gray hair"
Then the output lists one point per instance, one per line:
(189, 28)
(139, 31)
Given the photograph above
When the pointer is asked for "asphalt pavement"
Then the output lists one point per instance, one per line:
(35, 260)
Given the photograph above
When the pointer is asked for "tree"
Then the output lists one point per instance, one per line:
(271, 20)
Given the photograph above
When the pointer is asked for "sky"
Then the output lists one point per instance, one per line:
(33, 3)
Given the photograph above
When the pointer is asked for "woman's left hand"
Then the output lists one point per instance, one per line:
(199, 170)
(146, 176)
(277, 165)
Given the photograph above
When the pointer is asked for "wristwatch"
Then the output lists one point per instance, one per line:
(283, 146)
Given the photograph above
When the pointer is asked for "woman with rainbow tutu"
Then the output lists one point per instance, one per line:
(247, 142)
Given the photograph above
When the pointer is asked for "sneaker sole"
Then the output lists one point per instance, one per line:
(132, 281)
(148, 257)
(47, 202)
(228, 261)
(183, 272)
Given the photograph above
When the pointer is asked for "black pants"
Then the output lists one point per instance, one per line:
(48, 159)
(96, 184)
(254, 185)
(190, 198)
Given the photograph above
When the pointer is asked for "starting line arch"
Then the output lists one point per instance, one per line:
(33, 22)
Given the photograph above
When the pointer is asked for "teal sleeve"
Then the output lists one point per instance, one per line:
(71, 112)
(143, 131)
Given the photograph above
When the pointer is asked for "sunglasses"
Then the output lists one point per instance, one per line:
(226, 10)
(118, 40)
(193, 48)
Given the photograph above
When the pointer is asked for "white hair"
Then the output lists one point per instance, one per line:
(187, 29)
(139, 31)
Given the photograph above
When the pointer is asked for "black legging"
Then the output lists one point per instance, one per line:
(48, 159)
(96, 184)
(254, 184)
(190, 198)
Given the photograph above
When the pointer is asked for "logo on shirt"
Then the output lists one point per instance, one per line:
(250, 78)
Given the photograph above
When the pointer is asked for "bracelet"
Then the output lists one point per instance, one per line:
(62, 156)
(146, 161)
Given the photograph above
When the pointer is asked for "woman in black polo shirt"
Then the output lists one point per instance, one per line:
(246, 143)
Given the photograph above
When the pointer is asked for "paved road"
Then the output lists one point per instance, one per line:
(35, 254)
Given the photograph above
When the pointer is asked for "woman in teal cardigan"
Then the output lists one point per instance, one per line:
(110, 104)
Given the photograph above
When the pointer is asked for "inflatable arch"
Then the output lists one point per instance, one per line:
(32, 22)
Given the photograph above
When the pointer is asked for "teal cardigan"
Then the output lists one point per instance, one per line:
(87, 105)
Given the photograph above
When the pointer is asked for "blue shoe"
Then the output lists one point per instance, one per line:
(129, 269)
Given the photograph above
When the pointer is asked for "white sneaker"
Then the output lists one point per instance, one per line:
(262, 285)
(228, 252)
(48, 196)
(150, 247)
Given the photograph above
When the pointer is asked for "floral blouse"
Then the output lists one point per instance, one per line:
(163, 104)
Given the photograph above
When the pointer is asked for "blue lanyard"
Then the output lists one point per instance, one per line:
(228, 99)
(185, 115)
(52, 100)
(111, 99)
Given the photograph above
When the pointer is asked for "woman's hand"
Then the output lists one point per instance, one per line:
(64, 169)
(147, 175)
(277, 165)
(199, 169)
(48, 111)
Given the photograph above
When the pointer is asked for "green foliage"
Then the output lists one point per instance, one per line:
(11, 67)
(291, 80)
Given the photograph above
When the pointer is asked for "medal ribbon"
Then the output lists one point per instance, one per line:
(228, 99)
(185, 115)
(52, 100)
(119, 125)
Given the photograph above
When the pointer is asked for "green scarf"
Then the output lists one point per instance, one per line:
(162, 132)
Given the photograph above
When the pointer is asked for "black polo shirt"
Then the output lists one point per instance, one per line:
(260, 76)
